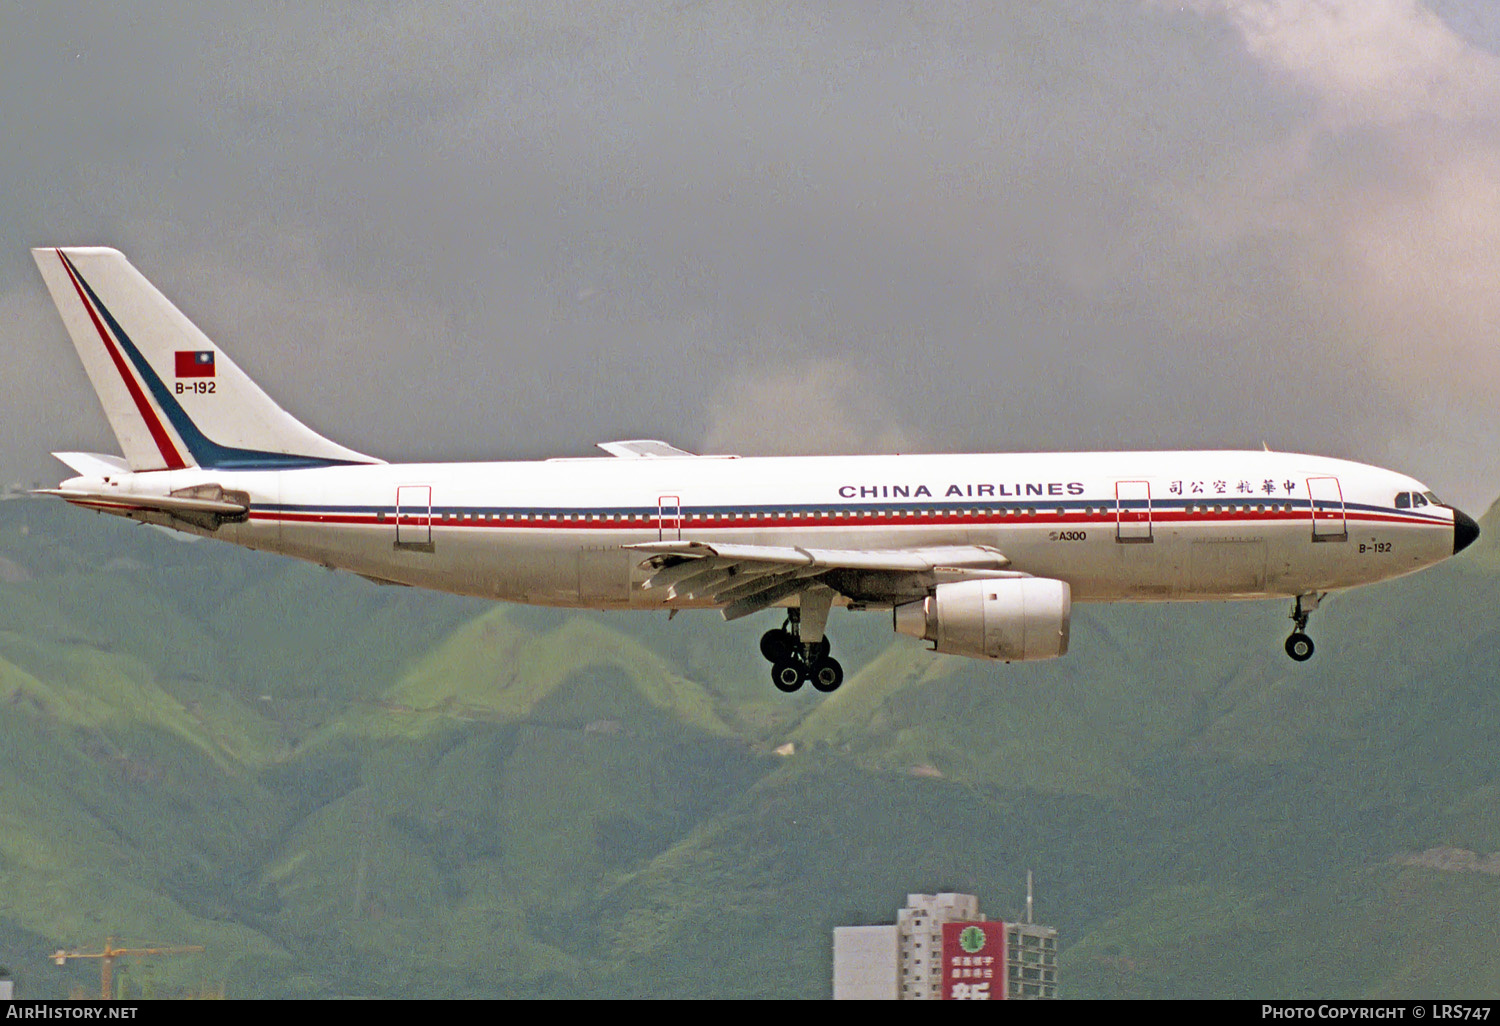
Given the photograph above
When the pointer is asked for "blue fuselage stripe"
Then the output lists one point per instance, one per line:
(1102, 510)
(206, 452)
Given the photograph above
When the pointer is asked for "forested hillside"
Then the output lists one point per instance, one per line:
(343, 789)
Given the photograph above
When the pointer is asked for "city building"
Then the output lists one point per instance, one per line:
(942, 947)
(920, 925)
(1030, 961)
(866, 963)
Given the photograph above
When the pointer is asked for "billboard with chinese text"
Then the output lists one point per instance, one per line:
(973, 961)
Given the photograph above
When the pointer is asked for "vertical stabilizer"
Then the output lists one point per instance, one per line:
(173, 398)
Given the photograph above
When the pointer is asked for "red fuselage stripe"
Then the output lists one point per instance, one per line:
(650, 522)
(159, 434)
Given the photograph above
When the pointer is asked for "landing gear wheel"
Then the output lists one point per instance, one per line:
(1300, 647)
(827, 675)
(777, 645)
(794, 663)
(788, 675)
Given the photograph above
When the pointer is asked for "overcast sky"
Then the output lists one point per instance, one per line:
(456, 231)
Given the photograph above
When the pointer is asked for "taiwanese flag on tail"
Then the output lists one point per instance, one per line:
(195, 365)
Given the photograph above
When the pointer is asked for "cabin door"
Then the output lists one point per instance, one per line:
(1326, 501)
(414, 517)
(1132, 511)
(669, 518)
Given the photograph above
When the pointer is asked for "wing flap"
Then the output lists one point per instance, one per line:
(744, 579)
(766, 597)
(671, 573)
(979, 557)
(805, 578)
(716, 578)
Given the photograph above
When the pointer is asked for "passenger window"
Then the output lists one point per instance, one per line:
(1403, 500)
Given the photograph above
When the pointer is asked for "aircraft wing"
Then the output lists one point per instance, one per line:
(643, 448)
(745, 579)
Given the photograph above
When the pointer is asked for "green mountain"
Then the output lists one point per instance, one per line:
(344, 789)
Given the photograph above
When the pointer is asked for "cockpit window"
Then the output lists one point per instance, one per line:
(1417, 500)
(1403, 500)
(1432, 498)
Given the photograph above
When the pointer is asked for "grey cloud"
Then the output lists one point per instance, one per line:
(512, 230)
(1387, 194)
(1377, 62)
(803, 408)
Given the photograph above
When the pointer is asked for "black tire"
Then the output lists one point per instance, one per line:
(1300, 647)
(776, 645)
(788, 675)
(827, 675)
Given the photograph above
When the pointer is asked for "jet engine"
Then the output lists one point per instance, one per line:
(1012, 619)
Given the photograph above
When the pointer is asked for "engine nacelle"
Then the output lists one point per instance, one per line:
(1012, 618)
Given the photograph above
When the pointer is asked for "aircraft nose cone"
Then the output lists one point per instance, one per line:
(1464, 531)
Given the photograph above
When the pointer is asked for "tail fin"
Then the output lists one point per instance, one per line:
(173, 398)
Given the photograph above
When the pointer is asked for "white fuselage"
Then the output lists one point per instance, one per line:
(1115, 526)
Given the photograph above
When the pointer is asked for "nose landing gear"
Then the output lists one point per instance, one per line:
(1299, 646)
(795, 662)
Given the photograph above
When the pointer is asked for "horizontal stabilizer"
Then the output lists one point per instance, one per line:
(93, 464)
(174, 504)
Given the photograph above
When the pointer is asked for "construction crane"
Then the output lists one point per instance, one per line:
(110, 953)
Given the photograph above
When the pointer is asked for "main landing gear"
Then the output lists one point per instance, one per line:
(794, 662)
(1299, 646)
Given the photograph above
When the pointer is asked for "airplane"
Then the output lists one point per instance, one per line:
(981, 555)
